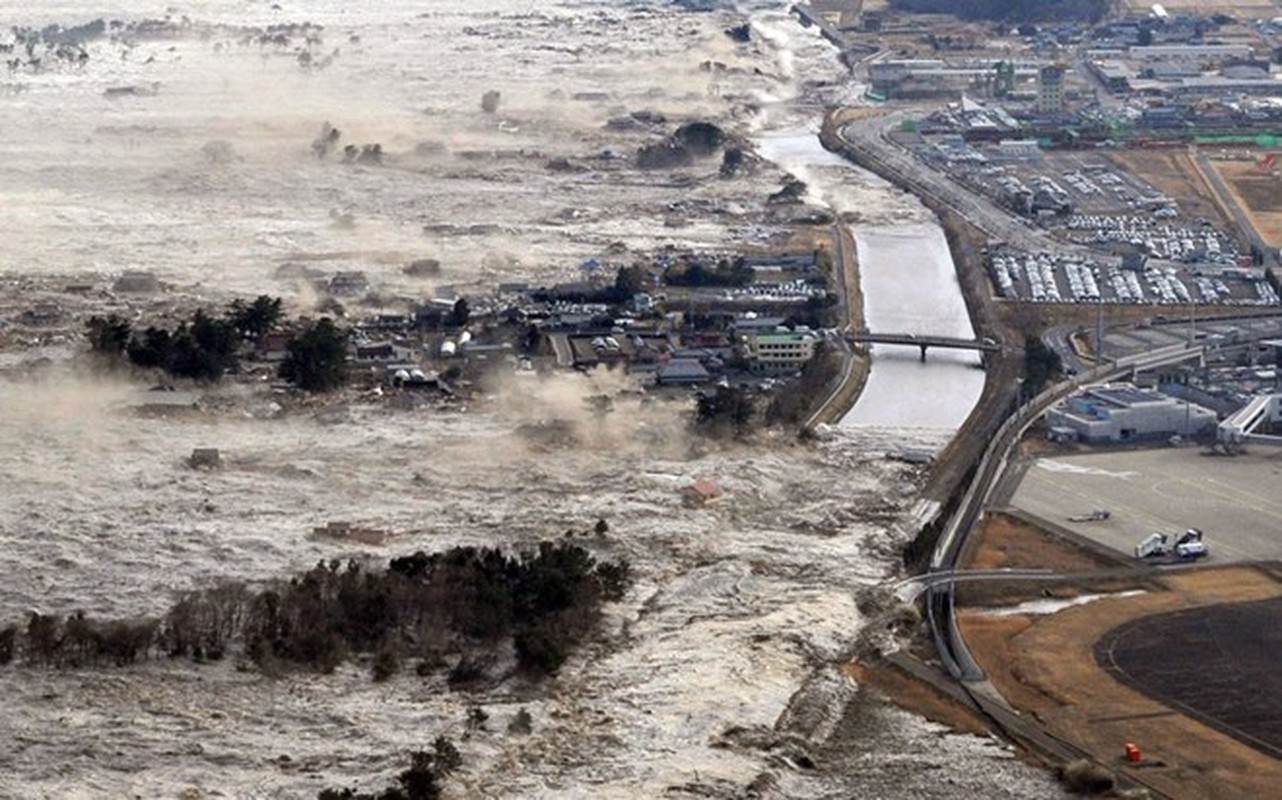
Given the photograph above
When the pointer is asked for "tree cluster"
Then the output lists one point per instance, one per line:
(461, 602)
(725, 273)
(728, 410)
(420, 781)
(203, 348)
(1040, 364)
(317, 358)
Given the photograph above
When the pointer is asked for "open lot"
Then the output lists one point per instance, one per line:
(1128, 341)
(1258, 193)
(1234, 500)
(1172, 172)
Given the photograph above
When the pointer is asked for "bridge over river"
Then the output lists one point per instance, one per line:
(925, 341)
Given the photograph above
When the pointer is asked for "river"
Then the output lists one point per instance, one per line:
(909, 286)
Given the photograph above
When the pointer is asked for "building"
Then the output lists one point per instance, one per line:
(780, 352)
(682, 372)
(1121, 412)
(1050, 90)
(1113, 74)
(137, 282)
(700, 494)
(348, 284)
(1203, 54)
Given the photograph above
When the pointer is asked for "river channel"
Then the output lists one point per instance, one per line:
(909, 286)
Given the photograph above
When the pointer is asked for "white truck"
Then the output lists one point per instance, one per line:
(1187, 547)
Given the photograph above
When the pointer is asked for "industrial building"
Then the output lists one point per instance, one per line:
(1120, 412)
(923, 78)
(1204, 54)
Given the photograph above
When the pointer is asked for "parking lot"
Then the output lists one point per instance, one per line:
(1234, 500)
(1107, 213)
(1052, 278)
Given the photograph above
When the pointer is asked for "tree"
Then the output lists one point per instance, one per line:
(629, 281)
(459, 314)
(108, 335)
(252, 320)
(729, 408)
(203, 350)
(1040, 363)
(421, 781)
(317, 358)
(154, 349)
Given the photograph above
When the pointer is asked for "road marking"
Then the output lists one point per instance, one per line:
(1050, 465)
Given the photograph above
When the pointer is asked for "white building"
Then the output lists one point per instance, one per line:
(779, 352)
(1120, 412)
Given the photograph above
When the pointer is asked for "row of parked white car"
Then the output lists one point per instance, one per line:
(1159, 239)
(1042, 278)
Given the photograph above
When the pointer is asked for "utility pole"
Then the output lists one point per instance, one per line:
(1099, 332)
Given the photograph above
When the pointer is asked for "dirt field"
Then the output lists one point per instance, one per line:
(1173, 173)
(1046, 667)
(1008, 543)
(1259, 194)
(917, 696)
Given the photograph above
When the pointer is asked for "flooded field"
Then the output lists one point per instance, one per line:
(720, 669)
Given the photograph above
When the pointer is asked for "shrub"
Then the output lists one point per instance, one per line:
(1086, 777)
(387, 662)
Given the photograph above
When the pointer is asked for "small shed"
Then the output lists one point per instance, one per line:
(701, 493)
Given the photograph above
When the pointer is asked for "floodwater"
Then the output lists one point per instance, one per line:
(723, 663)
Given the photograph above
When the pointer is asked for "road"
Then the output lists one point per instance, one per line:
(952, 648)
(1228, 202)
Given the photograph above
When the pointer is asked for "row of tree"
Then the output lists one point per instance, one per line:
(207, 346)
(459, 603)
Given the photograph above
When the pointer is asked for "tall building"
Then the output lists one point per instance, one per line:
(1050, 90)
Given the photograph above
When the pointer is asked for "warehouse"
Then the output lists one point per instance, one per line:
(1122, 413)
